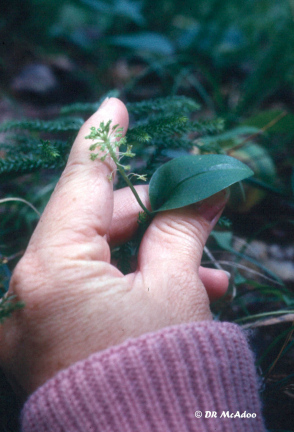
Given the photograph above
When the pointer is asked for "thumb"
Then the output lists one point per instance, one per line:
(175, 240)
(81, 206)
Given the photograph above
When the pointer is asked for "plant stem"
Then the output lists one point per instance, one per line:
(127, 180)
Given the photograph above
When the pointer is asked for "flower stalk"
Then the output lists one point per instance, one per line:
(108, 140)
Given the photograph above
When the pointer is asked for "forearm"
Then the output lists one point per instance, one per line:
(155, 383)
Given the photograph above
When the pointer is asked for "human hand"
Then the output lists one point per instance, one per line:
(76, 301)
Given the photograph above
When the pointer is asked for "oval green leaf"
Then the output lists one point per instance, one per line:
(188, 179)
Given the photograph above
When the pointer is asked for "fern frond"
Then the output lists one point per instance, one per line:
(159, 126)
(24, 164)
(49, 151)
(80, 108)
(206, 126)
(170, 105)
(65, 124)
(19, 143)
(172, 125)
(167, 142)
(88, 107)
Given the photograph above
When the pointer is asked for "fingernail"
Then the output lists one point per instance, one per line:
(212, 206)
(104, 103)
(228, 274)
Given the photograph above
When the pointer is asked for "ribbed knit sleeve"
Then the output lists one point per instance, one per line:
(194, 377)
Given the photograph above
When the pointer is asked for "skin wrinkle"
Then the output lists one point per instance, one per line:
(36, 296)
(148, 261)
(62, 340)
(190, 295)
(64, 194)
(89, 213)
(172, 229)
(186, 228)
(186, 282)
(97, 250)
(145, 300)
(110, 302)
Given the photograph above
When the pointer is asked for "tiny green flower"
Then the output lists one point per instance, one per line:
(108, 139)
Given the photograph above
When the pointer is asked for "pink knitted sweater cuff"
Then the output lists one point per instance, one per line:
(194, 377)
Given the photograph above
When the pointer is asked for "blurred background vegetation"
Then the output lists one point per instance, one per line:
(236, 59)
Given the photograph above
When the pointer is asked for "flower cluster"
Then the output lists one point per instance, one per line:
(108, 140)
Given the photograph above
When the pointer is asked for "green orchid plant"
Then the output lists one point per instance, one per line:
(180, 182)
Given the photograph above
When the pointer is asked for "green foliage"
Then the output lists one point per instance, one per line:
(8, 306)
(49, 151)
(29, 152)
(171, 104)
(87, 108)
(178, 183)
(224, 240)
(150, 42)
(32, 156)
(160, 130)
(70, 124)
(123, 256)
(236, 58)
(208, 42)
(280, 121)
(189, 179)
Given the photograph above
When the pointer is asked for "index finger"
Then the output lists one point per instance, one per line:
(81, 206)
